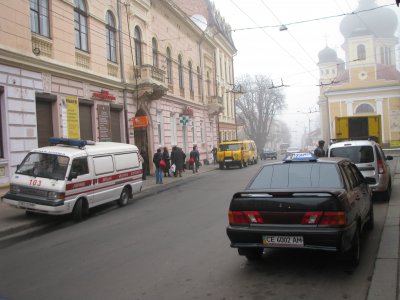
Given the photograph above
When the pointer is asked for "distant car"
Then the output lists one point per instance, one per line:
(268, 153)
(370, 160)
(302, 203)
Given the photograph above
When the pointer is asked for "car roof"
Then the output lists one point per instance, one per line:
(353, 143)
(331, 160)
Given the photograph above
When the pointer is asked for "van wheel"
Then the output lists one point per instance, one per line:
(221, 166)
(77, 212)
(124, 197)
(385, 196)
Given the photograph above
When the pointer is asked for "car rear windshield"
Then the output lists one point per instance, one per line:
(357, 154)
(229, 147)
(297, 175)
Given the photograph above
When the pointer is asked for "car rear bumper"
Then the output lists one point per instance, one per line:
(327, 239)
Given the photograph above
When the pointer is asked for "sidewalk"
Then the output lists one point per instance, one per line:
(14, 220)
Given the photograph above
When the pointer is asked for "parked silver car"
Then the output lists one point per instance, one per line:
(370, 160)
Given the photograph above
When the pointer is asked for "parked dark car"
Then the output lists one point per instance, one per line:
(268, 153)
(302, 203)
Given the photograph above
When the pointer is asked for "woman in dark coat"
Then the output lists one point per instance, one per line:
(167, 160)
(178, 158)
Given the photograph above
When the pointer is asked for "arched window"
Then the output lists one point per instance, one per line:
(40, 17)
(155, 52)
(364, 109)
(190, 77)
(110, 34)
(169, 65)
(81, 29)
(361, 52)
(180, 71)
(138, 46)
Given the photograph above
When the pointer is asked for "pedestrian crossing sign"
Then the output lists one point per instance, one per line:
(184, 120)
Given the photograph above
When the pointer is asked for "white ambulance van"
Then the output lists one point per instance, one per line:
(73, 176)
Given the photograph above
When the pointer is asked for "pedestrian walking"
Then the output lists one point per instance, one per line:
(145, 163)
(194, 159)
(178, 159)
(214, 154)
(157, 158)
(167, 160)
(319, 151)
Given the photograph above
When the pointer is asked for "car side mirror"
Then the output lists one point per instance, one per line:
(370, 180)
(72, 175)
(389, 157)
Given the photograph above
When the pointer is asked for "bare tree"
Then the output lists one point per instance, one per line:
(258, 106)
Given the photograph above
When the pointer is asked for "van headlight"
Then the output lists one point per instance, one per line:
(14, 189)
(55, 196)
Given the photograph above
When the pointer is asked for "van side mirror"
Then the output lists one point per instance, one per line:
(389, 157)
(72, 175)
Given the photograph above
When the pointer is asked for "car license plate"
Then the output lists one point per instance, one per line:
(283, 241)
(25, 204)
(228, 160)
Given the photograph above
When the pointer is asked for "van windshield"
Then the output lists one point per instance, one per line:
(229, 147)
(44, 165)
(357, 154)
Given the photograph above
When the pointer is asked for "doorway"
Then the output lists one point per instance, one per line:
(142, 141)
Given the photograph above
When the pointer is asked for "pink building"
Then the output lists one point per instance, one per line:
(147, 73)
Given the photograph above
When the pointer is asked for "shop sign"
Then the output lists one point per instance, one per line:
(141, 121)
(104, 117)
(188, 111)
(72, 109)
(104, 95)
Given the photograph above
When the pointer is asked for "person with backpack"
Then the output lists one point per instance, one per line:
(194, 159)
(160, 165)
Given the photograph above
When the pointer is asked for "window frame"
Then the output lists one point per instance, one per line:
(111, 41)
(42, 21)
(137, 38)
(154, 46)
(180, 72)
(169, 65)
(80, 11)
(190, 76)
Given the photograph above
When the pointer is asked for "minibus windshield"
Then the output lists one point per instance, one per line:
(44, 165)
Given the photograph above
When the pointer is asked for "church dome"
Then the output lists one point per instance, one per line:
(327, 55)
(381, 22)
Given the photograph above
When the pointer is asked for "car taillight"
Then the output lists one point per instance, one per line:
(245, 217)
(381, 167)
(332, 218)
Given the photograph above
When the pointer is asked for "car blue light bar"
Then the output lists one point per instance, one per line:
(300, 156)
(69, 142)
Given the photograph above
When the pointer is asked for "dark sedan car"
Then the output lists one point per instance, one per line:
(268, 153)
(302, 202)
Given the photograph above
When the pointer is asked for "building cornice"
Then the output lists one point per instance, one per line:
(46, 65)
(363, 90)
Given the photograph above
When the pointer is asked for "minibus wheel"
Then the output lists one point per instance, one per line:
(77, 212)
(124, 197)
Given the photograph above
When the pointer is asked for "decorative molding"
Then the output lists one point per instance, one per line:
(46, 78)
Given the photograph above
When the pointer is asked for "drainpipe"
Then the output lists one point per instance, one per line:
(122, 69)
(202, 88)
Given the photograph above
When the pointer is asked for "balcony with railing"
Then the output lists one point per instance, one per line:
(150, 81)
(215, 104)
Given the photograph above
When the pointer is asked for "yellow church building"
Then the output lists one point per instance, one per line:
(367, 83)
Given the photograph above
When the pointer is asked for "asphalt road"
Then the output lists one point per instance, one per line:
(174, 246)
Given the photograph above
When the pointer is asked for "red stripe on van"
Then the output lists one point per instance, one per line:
(78, 185)
(103, 187)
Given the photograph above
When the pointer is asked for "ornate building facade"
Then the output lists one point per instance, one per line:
(367, 83)
(144, 73)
